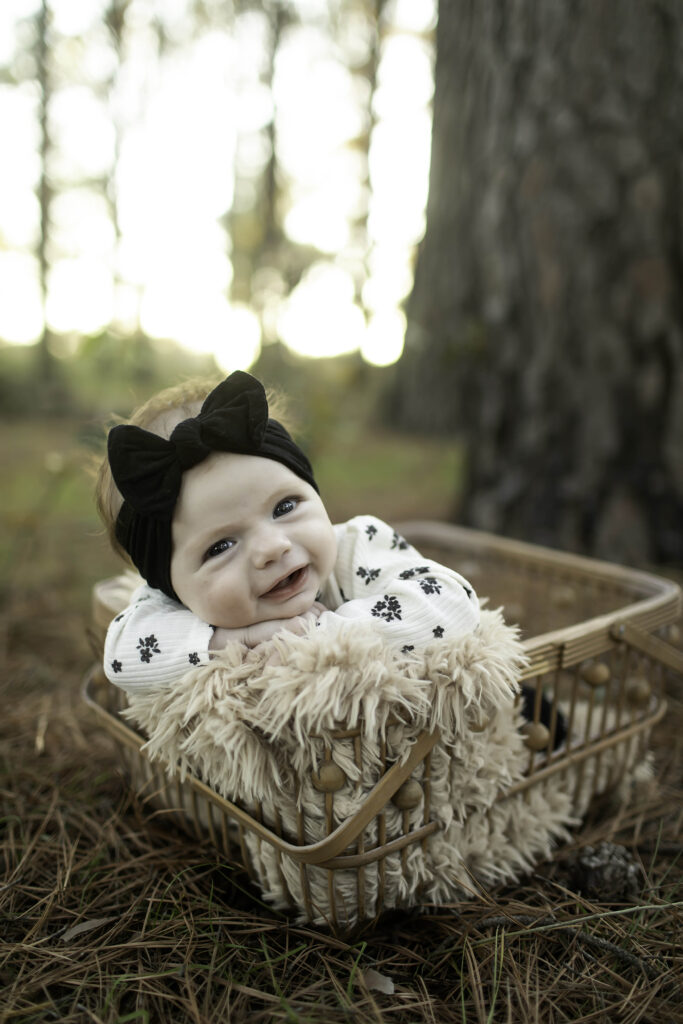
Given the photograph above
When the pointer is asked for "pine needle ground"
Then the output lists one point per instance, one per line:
(110, 914)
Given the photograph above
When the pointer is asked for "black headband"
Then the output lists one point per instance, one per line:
(148, 469)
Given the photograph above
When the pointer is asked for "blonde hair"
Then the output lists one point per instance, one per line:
(160, 415)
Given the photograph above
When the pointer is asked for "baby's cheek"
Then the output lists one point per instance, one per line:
(228, 606)
(329, 542)
(217, 611)
(205, 604)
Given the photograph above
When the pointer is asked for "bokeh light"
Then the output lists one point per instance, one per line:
(178, 138)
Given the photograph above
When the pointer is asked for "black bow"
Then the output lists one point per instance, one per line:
(148, 469)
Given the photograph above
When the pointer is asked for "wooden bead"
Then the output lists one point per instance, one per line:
(408, 795)
(638, 691)
(536, 735)
(329, 778)
(595, 674)
(479, 724)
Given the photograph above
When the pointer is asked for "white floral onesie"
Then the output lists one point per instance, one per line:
(378, 578)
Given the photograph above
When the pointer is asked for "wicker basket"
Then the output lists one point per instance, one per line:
(597, 636)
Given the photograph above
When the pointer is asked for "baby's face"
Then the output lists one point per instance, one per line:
(252, 542)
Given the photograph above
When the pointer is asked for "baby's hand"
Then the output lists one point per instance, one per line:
(222, 637)
(262, 632)
(296, 625)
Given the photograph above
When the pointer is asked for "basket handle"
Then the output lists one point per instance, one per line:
(350, 829)
(335, 842)
(646, 643)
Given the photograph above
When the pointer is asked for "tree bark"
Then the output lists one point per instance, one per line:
(546, 320)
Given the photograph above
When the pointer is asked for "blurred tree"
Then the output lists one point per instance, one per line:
(115, 21)
(546, 319)
(45, 190)
(254, 222)
(372, 13)
(264, 257)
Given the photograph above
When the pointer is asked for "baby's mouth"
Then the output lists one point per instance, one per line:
(287, 583)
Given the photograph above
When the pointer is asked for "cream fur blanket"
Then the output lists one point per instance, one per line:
(257, 731)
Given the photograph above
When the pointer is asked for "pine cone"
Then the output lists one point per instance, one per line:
(605, 872)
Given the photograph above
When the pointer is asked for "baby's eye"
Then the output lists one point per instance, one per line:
(284, 507)
(218, 548)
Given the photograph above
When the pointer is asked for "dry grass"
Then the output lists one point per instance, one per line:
(110, 915)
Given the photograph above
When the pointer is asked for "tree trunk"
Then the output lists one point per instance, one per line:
(546, 320)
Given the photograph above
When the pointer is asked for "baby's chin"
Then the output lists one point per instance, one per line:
(297, 606)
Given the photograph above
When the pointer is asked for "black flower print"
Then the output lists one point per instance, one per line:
(438, 631)
(430, 585)
(148, 646)
(388, 609)
(407, 648)
(371, 531)
(468, 591)
(367, 574)
(193, 658)
(119, 617)
(408, 574)
(116, 665)
(397, 541)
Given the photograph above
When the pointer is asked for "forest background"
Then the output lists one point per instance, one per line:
(454, 239)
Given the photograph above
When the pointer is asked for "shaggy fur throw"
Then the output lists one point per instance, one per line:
(257, 729)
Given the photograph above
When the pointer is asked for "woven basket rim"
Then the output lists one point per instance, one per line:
(657, 599)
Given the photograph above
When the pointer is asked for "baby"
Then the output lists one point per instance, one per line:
(218, 509)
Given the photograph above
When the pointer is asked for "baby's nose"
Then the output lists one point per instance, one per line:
(270, 544)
